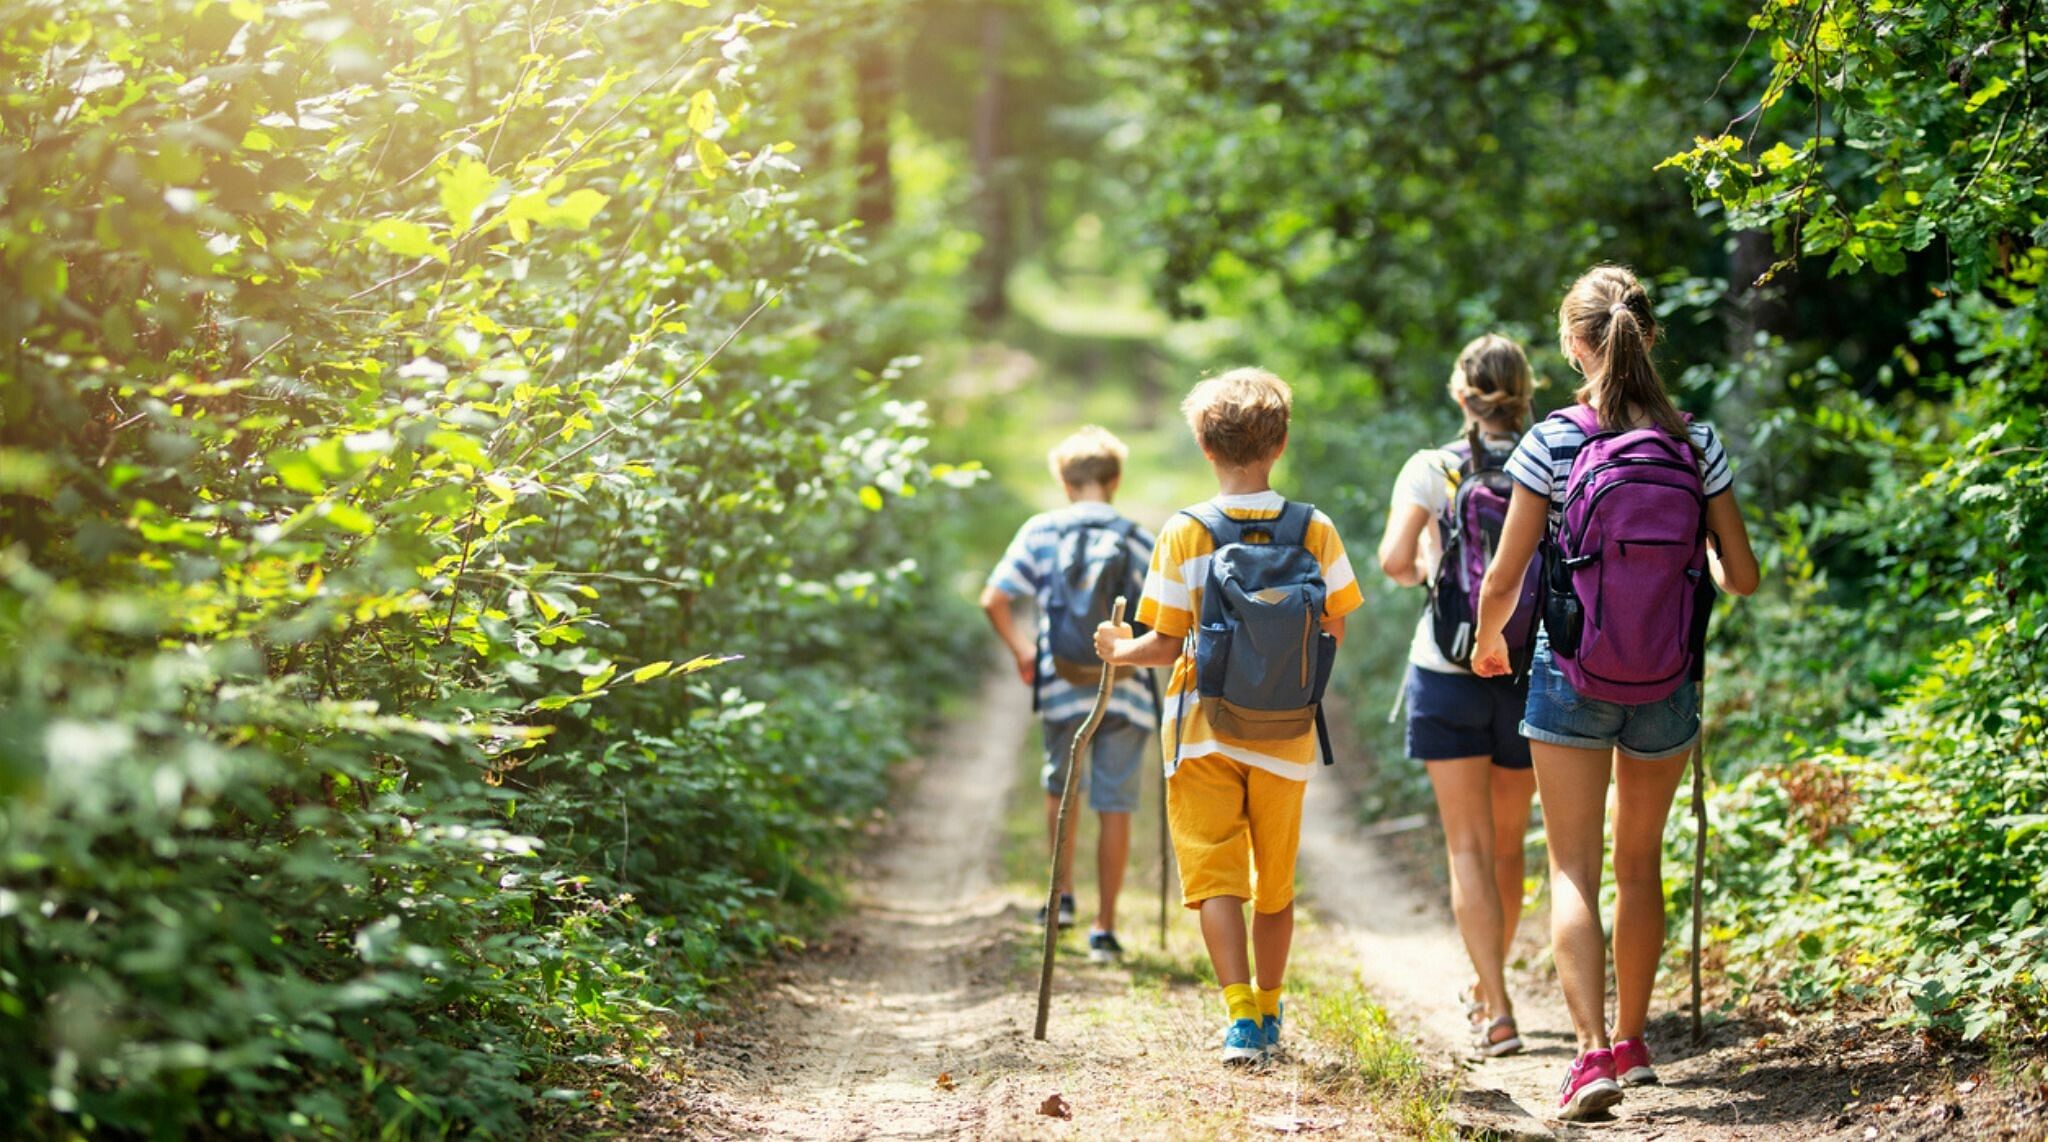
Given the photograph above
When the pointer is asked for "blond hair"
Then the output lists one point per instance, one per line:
(1240, 417)
(1492, 383)
(1092, 455)
(1608, 310)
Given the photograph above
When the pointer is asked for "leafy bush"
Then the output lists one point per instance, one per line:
(1898, 854)
(387, 480)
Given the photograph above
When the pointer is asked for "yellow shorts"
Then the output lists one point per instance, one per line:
(1235, 831)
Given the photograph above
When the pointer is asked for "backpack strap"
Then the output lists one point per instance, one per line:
(1583, 417)
(1323, 736)
(1222, 529)
(1291, 526)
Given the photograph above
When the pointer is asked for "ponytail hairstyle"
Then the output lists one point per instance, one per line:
(1607, 311)
(1491, 382)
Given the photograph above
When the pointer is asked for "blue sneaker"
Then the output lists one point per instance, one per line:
(1244, 1042)
(1272, 1028)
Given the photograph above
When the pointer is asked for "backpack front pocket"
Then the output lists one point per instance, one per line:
(1247, 724)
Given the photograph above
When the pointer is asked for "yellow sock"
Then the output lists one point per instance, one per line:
(1238, 998)
(1269, 1001)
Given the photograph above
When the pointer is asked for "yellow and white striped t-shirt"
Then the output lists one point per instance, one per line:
(1172, 599)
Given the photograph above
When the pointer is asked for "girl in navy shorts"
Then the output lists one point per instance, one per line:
(1466, 728)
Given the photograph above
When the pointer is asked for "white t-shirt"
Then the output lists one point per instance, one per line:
(1428, 480)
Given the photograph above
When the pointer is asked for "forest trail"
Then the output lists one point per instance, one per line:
(912, 1019)
(854, 1041)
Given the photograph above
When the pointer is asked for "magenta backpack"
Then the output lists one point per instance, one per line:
(1472, 524)
(1628, 564)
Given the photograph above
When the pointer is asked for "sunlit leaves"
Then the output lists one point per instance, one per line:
(406, 239)
(465, 187)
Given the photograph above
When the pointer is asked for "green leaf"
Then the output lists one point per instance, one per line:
(706, 662)
(465, 188)
(703, 113)
(597, 680)
(406, 239)
(1985, 94)
(297, 471)
(575, 211)
(349, 517)
(461, 448)
(871, 497)
(651, 670)
(710, 156)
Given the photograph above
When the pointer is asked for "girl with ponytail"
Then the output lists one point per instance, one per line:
(1464, 728)
(1580, 741)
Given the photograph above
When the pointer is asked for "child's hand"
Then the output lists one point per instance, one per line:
(1027, 664)
(1106, 637)
(1490, 657)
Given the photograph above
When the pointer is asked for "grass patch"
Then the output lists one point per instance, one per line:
(1382, 1059)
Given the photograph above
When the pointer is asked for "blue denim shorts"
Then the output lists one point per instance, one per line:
(1116, 757)
(1652, 731)
(1462, 715)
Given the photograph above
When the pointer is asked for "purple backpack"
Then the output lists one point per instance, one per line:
(1472, 524)
(1628, 564)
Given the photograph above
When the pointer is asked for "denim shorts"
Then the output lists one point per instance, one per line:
(1116, 757)
(1652, 731)
(1463, 715)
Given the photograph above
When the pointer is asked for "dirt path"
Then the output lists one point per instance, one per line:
(852, 1043)
(913, 1019)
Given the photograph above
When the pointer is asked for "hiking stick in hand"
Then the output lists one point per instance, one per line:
(1060, 834)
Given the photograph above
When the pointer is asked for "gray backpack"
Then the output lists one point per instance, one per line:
(1262, 658)
(1092, 566)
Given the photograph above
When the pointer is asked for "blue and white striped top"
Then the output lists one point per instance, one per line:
(1027, 568)
(1542, 462)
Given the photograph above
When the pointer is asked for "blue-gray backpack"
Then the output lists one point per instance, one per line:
(1092, 565)
(1262, 658)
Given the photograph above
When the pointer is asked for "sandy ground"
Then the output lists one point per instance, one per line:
(913, 1020)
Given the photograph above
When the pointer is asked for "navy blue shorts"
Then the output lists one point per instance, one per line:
(1464, 715)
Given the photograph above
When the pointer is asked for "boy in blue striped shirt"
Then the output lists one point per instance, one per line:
(1089, 466)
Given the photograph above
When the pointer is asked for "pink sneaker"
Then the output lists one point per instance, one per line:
(1589, 1087)
(1632, 1063)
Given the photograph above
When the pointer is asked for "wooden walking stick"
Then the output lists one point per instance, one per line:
(1699, 866)
(1061, 837)
(1165, 859)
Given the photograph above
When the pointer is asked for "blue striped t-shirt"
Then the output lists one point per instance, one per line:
(1027, 568)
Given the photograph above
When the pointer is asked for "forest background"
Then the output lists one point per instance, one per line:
(488, 488)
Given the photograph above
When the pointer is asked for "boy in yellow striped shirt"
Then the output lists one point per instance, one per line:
(1233, 799)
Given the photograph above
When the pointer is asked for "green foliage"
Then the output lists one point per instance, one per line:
(1898, 854)
(388, 488)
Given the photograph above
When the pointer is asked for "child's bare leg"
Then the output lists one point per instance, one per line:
(1223, 934)
(1464, 801)
(1272, 936)
(1512, 790)
(1643, 794)
(1112, 852)
(1574, 787)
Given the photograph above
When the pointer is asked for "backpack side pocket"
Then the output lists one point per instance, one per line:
(1212, 658)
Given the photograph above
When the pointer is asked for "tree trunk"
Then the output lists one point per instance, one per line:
(992, 263)
(874, 98)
